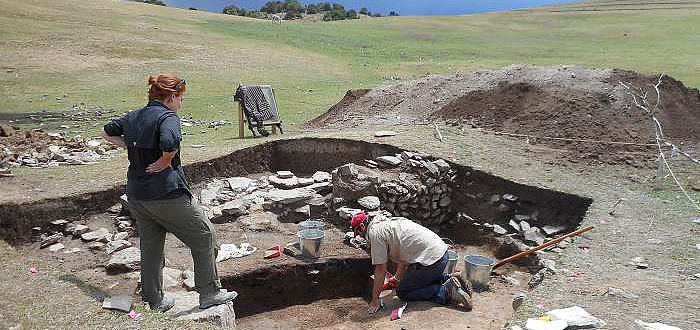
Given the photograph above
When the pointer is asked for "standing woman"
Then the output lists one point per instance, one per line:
(159, 196)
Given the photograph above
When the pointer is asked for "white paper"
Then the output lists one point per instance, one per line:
(535, 324)
(576, 317)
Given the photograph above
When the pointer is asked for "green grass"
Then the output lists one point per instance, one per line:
(100, 52)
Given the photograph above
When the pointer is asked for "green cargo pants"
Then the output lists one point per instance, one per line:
(185, 219)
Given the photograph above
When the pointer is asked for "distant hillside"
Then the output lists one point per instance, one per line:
(404, 7)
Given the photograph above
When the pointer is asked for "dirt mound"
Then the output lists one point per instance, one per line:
(560, 107)
(339, 109)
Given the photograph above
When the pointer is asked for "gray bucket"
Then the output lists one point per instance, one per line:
(312, 224)
(310, 242)
(477, 269)
(452, 258)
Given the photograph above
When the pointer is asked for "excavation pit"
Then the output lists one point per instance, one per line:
(288, 291)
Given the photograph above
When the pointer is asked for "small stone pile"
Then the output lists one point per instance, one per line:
(38, 149)
(406, 184)
(520, 227)
(283, 193)
(124, 257)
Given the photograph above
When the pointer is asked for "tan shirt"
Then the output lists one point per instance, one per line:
(404, 241)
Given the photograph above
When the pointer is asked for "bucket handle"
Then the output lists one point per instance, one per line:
(447, 240)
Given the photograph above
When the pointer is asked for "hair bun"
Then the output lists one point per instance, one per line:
(153, 80)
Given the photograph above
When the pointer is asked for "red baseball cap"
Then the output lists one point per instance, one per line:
(357, 220)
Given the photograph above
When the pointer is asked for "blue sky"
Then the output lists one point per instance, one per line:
(404, 7)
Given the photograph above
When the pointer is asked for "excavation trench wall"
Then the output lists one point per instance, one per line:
(472, 189)
(276, 287)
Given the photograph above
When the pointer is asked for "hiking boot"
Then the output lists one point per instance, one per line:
(456, 295)
(464, 284)
(165, 304)
(216, 298)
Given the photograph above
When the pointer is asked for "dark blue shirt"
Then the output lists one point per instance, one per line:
(149, 132)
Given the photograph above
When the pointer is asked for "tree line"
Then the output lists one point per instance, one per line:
(152, 2)
(293, 9)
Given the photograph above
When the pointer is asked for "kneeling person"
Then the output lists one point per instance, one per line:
(421, 257)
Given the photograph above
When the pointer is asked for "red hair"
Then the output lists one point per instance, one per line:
(165, 85)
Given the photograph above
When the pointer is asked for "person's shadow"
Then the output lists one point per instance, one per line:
(90, 290)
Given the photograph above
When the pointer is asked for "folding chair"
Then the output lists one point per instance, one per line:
(275, 122)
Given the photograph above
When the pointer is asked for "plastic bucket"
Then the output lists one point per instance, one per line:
(452, 258)
(310, 242)
(477, 270)
(312, 224)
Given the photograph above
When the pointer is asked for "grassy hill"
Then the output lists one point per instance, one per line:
(100, 52)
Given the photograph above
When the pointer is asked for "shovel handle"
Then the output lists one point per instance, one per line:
(537, 248)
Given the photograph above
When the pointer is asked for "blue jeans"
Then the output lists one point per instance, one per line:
(421, 283)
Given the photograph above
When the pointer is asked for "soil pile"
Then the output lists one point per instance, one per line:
(540, 102)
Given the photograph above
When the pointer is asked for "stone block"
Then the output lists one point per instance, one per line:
(187, 309)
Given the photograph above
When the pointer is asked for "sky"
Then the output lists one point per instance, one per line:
(403, 7)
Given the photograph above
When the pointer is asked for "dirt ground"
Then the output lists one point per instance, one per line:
(600, 260)
(654, 221)
(540, 103)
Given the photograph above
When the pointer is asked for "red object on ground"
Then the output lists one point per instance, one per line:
(273, 252)
(390, 282)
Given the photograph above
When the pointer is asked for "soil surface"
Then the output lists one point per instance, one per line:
(244, 274)
(574, 106)
(655, 224)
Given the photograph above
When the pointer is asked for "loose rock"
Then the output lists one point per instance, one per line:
(369, 202)
(499, 230)
(285, 174)
(56, 247)
(120, 303)
(290, 196)
(240, 184)
(188, 282)
(187, 309)
(171, 277)
(384, 133)
(96, 246)
(125, 260)
(115, 246)
(321, 176)
(534, 235)
(616, 292)
(100, 235)
(120, 236)
(51, 240)
(389, 160)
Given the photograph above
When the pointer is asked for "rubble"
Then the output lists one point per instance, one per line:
(39, 149)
